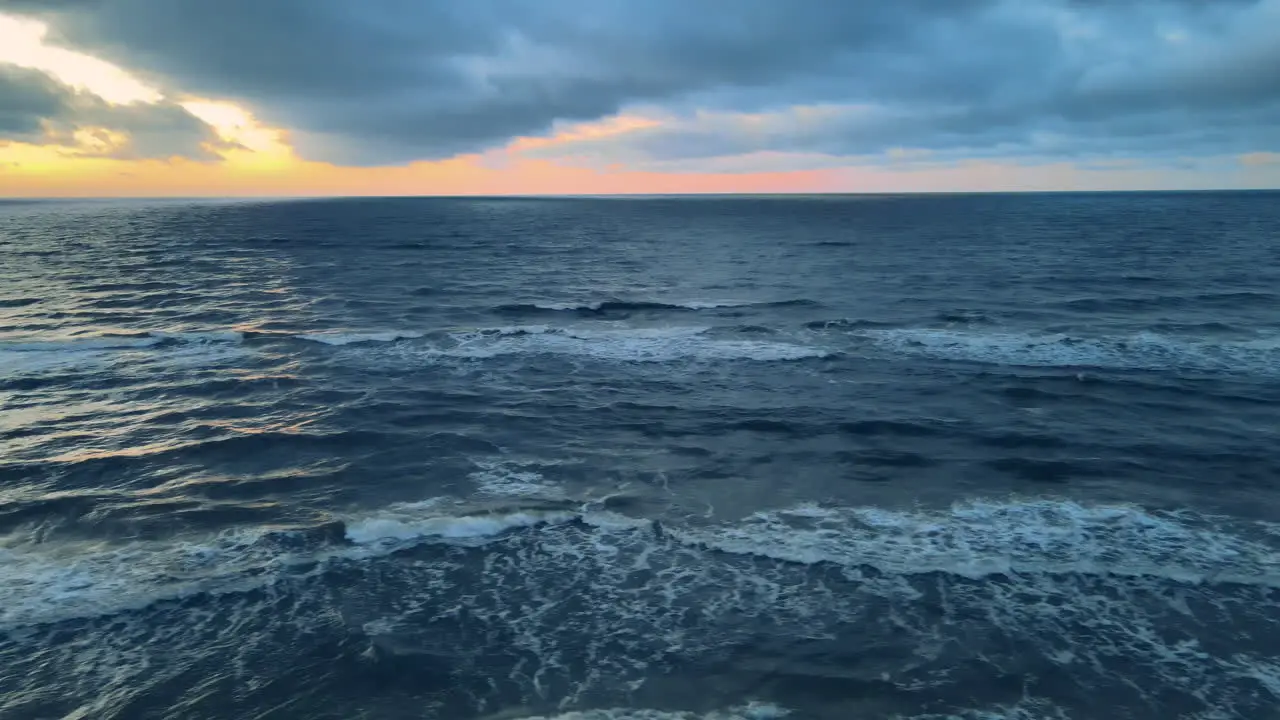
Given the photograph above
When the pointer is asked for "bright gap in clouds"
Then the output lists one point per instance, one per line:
(236, 125)
(22, 43)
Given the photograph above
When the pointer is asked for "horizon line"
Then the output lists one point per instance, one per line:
(639, 195)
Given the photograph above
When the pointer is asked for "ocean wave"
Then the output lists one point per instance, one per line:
(507, 479)
(347, 338)
(751, 711)
(983, 538)
(28, 356)
(48, 581)
(119, 341)
(398, 524)
(45, 581)
(844, 324)
(1027, 709)
(73, 345)
(644, 345)
(17, 302)
(1227, 299)
(658, 344)
(1142, 351)
(602, 307)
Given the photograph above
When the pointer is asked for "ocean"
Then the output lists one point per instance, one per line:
(664, 458)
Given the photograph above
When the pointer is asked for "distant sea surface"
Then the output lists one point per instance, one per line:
(718, 458)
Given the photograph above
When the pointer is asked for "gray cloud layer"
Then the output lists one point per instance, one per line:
(385, 81)
(36, 108)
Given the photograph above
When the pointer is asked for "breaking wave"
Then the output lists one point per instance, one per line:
(48, 581)
(618, 307)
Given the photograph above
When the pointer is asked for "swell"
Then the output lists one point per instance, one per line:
(18, 302)
(617, 307)
(1005, 540)
(1232, 300)
(1142, 351)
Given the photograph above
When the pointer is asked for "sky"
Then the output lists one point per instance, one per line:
(462, 97)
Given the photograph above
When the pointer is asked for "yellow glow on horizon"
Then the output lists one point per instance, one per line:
(22, 43)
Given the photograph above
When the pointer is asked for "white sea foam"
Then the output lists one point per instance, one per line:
(1089, 585)
(654, 344)
(415, 521)
(507, 479)
(983, 538)
(750, 711)
(624, 344)
(1143, 351)
(1027, 709)
(44, 582)
(595, 306)
(48, 582)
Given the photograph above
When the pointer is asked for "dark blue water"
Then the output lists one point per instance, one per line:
(657, 459)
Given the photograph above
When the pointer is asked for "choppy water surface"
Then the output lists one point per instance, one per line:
(647, 459)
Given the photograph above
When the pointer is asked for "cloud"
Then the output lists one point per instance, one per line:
(36, 109)
(392, 81)
(27, 98)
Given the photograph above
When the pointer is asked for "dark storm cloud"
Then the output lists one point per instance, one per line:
(35, 108)
(396, 80)
(27, 98)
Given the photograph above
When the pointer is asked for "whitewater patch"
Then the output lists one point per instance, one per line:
(398, 524)
(50, 581)
(751, 711)
(1142, 351)
(512, 479)
(1096, 589)
(1031, 709)
(600, 307)
(610, 343)
(623, 344)
(44, 582)
(980, 539)
(945, 593)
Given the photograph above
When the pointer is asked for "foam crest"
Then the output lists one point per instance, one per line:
(660, 344)
(600, 307)
(48, 582)
(1143, 351)
(497, 479)
(979, 539)
(750, 711)
(402, 523)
